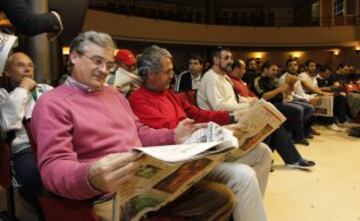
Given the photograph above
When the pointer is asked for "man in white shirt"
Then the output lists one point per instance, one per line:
(299, 99)
(308, 79)
(216, 90)
(17, 103)
(310, 85)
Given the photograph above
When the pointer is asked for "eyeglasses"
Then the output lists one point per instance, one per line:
(100, 61)
(23, 65)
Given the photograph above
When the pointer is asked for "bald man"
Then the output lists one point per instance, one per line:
(236, 75)
(17, 101)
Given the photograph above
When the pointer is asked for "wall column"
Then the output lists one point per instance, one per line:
(38, 47)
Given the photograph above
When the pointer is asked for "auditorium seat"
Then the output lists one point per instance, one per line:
(5, 182)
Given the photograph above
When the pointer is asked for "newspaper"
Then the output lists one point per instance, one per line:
(124, 78)
(7, 42)
(258, 122)
(324, 107)
(157, 183)
(168, 171)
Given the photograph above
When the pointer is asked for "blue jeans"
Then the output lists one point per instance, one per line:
(27, 174)
(298, 114)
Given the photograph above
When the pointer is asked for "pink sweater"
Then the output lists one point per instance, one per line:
(73, 128)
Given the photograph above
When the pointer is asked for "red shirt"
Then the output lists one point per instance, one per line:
(166, 109)
(241, 88)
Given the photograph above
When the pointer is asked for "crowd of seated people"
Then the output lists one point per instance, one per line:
(151, 113)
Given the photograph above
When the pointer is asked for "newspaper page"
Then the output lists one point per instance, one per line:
(324, 107)
(7, 42)
(258, 122)
(157, 182)
(123, 78)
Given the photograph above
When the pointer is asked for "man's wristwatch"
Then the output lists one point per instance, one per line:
(232, 117)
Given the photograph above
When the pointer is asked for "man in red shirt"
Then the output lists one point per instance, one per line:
(236, 75)
(158, 107)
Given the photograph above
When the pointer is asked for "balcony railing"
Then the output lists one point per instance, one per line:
(232, 18)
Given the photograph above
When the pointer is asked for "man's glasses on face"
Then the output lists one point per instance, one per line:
(100, 61)
(22, 65)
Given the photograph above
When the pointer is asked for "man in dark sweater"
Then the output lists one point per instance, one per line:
(251, 73)
(266, 86)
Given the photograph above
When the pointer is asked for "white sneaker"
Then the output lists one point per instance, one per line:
(347, 124)
(334, 127)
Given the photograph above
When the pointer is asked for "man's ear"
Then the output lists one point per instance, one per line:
(216, 60)
(73, 57)
(7, 71)
(151, 74)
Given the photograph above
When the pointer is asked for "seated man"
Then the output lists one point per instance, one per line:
(18, 101)
(159, 107)
(298, 98)
(190, 79)
(216, 93)
(236, 76)
(251, 72)
(125, 62)
(338, 81)
(340, 102)
(84, 133)
(267, 87)
(310, 85)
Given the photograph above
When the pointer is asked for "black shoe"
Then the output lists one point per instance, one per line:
(302, 142)
(302, 164)
(309, 136)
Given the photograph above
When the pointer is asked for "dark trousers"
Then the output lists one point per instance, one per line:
(340, 108)
(297, 114)
(27, 174)
(280, 141)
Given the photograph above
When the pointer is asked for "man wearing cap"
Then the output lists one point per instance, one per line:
(125, 61)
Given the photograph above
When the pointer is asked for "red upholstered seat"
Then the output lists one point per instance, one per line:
(5, 182)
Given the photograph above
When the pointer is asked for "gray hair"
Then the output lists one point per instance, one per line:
(79, 43)
(149, 61)
(100, 39)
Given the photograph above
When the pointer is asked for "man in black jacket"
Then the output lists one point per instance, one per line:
(190, 79)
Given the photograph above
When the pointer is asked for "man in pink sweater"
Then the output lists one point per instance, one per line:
(84, 133)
